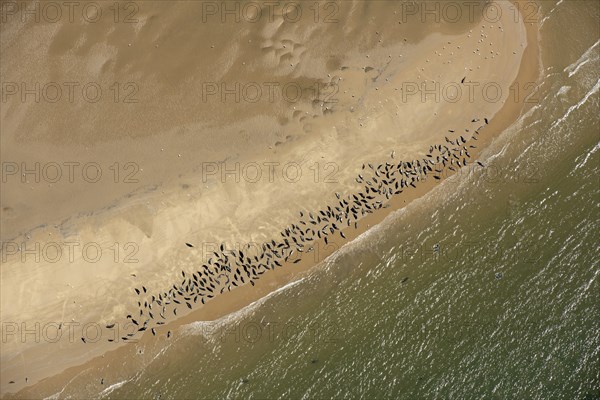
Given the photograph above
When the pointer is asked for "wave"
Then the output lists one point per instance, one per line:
(574, 107)
(550, 13)
(102, 394)
(587, 156)
(584, 59)
(109, 389)
(198, 327)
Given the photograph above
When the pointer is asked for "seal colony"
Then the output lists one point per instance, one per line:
(228, 269)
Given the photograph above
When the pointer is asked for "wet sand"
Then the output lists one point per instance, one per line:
(163, 221)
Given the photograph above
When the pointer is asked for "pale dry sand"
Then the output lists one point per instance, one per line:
(172, 204)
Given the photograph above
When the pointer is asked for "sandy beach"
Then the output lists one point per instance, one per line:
(199, 178)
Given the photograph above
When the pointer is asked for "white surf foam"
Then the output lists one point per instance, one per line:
(579, 104)
(199, 327)
(111, 388)
(589, 55)
(587, 156)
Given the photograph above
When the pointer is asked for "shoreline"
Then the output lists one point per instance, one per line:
(227, 303)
